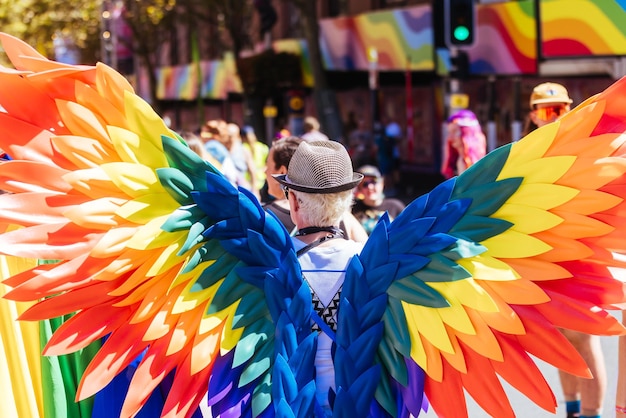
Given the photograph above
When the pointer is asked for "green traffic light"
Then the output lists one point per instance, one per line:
(461, 33)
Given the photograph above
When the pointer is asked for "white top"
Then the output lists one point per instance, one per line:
(324, 268)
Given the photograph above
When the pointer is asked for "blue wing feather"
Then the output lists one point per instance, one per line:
(438, 197)
(413, 211)
(408, 263)
(449, 215)
(410, 236)
(377, 244)
(431, 244)
(355, 401)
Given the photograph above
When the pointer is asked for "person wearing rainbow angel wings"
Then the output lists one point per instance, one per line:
(164, 257)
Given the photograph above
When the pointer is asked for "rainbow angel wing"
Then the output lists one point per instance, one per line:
(161, 255)
(473, 277)
(156, 251)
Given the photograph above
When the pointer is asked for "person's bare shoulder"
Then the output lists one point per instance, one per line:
(355, 230)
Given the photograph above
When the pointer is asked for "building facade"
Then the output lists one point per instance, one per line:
(518, 45)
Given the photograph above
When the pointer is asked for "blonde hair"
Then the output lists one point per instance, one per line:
(196, 145)
(323, 209)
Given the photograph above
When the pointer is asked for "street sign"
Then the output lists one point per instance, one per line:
(459, 101)
(270, 111)
(296, 104)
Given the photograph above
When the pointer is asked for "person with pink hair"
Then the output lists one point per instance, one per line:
(465, 143)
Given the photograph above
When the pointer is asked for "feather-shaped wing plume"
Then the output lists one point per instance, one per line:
(476, 276)
(156, 250)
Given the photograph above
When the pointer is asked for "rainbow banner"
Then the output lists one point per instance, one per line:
(579, 28)
(402, 37)
(506, 40)
(177, 83)
(506, 44)
(219, 78)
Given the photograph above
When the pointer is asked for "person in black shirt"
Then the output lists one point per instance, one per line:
(277, 162)
(371, 202)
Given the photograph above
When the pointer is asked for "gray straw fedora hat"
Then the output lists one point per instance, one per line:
(320, 167)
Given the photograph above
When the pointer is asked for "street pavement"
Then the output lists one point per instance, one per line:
(524, 408)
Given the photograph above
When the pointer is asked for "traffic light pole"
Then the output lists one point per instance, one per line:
(454, 84)
(459, 22)
(267, 20)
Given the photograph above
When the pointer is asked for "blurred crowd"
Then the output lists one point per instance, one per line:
(249, 163)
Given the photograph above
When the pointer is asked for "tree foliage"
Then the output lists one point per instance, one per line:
(151, 23)
(218, 25)
(228, 21)
(39, 22)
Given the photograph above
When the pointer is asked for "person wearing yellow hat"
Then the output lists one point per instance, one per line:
(583, 397)
(548, 102)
